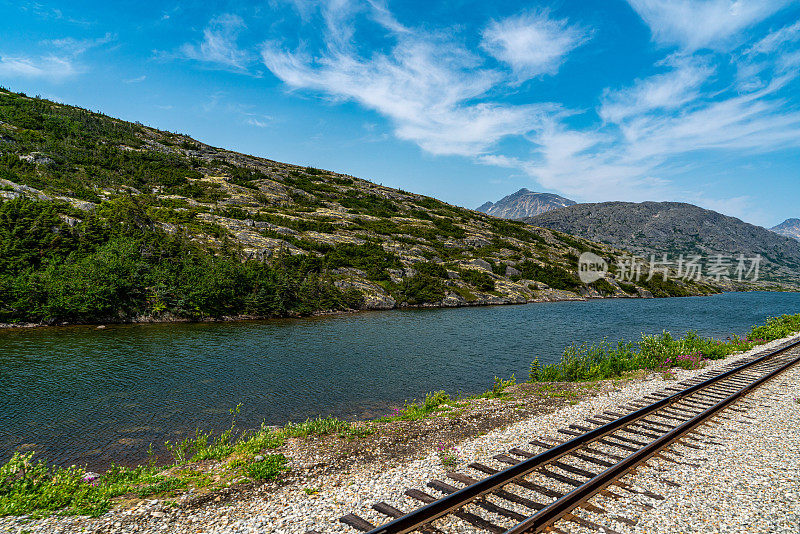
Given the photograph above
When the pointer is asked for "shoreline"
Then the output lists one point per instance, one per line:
(554, 297)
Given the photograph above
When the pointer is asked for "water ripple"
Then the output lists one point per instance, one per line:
(82, 395)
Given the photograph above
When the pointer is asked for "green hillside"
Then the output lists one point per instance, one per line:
(106, 220)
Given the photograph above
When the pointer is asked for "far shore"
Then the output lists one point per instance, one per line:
(552, 296)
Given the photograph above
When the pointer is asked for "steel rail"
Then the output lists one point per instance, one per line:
(441, 507)
(557, 509)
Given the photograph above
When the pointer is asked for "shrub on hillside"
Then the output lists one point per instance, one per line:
(482, 281)
(555, 277)
(420, 289)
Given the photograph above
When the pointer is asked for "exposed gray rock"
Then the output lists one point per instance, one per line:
(477, 241)
(71, 221)
(375, 297)
(511, 271)
(396, 275)
(378, 301)
(483, 264)
(453, 300)
(349, 271)
(37, 158)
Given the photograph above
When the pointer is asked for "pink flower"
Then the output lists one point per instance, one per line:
(93, 479)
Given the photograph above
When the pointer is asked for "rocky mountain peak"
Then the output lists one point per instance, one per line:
(524, 203)
(788, 228)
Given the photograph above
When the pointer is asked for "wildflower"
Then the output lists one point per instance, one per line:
(93, 479)
(448, 455)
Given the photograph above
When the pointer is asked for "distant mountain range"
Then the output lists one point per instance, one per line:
(788, 228)
(676, 228)
(524, 203)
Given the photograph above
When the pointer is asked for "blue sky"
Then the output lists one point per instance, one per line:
(687, 100)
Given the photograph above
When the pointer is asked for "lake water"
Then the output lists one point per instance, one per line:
(83, 395)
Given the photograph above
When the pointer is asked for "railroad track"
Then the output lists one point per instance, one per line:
(557, 477)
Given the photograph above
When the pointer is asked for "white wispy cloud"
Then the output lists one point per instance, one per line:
(50, 67)
(219, 102)
(432, 89)
(532, 43)
(60, 62)
(669, 115)
(668, 91)
(450, 99)
(695, 24)
(75, 47)
(773, 59)
(219, 46)
(688, 107)
(775, 41)
(260, 123)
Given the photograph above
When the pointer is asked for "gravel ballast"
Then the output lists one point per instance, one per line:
(753, 478)
(748, 482)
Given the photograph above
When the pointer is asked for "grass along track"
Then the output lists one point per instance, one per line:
(589, 462)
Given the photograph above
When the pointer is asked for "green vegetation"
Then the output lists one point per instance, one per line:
(417, 410)
(205, 445)
(421, 288)
(447, 228)
(36, 489)
(369, 257)
(269, 468)
(69, 138)
(465, 294)
(603, 360)
(776, 328)
(117, 264)
(579, 244)
(515, 229)
(431, 269)
(447, 455)
(439, 401)
(604, 286)
(628, 288)
(660, 287)
(369, 204)
(480, 279)
(553, 276)
(499, 388)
